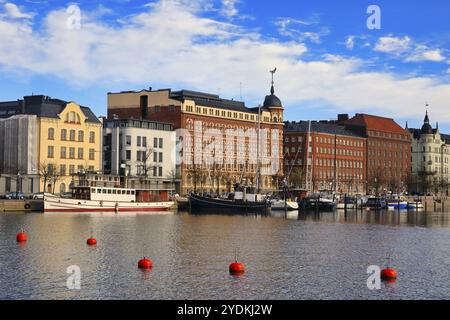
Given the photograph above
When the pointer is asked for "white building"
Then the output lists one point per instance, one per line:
(142, 151)
(430, 152)
(19, 145)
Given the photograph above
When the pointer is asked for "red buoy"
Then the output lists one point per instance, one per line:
(145, 263)
(21, 237)
(237, 268)
(91, 241)
(388, 274)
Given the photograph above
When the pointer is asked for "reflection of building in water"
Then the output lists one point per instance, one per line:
(217, 137)
(430, 159)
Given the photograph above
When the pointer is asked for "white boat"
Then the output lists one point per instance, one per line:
(415, 205)
(396, 205)
(284, 205)
(99, 199)
(341, 206)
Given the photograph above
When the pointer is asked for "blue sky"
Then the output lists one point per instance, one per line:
(328, 60)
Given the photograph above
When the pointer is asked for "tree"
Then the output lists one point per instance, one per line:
(146, 162)
(296, 177)
(46, 172)
(174, 177)
(377, 179)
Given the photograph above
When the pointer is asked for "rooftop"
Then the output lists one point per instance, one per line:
(376, 123)
(319, 126)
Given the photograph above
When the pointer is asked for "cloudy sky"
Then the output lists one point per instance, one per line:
(328, 60)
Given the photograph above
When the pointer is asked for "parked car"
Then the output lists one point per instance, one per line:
(38, 196)
(15, 195)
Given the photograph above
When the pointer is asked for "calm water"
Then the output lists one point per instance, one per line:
(305, 256)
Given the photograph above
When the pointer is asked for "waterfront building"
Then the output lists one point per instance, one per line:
(430, 156)
(19, 154)
(324, 156)
(388, 152)
(67, 140)
(217, 138)
(142, 152)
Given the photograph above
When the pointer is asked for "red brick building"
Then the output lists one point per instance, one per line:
(217, 137)
(388, 151)
(337, 157)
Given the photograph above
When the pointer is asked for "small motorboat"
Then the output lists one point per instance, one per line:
(375, 203)
(284, 205)
(397, 205)
(319, 203)
(351, 204)
(417, 205)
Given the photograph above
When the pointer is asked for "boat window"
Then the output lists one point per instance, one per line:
(114, 192)
(93, 190)
(99, 190)
(124, 191)
(132, 192)
(103, 191)
(109, 191)
(128, 191)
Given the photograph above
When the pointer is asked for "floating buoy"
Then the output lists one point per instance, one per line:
(388, 274)
(21, 237)
(91, 241)
(145, 263)
(237, 268)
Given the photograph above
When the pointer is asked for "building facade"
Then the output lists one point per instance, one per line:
(19, 154)
(323, 156)
(68, 139)
(217, 139)
(388, 152)
(142, 151)
(430, 156)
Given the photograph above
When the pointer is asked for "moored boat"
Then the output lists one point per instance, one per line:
(100, 199)
(239, 204)
(397, 205)
(284, 205)
(375, 203)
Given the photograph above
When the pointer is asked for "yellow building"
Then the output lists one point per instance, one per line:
(69, 141)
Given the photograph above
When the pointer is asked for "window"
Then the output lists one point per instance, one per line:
(155, 142)
(71, 169)
(138, 156)
(50, 168)
(72, 135)
(144, 141)
(80, 136)
(63, 152)
(160, 171)
(155, 171)
(155, 156)
(128, 155)
(50, 152)
(72, 153)
(62, 169)
(91, 154)
(80, 153)
(63, 134)
(51, 134)
(160, 157)
(128, 140)
(160, 142)
(92, 137)
(138, 141)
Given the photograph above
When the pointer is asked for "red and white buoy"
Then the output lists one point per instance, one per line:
(21, 236)
(145, 263)
(91, 241)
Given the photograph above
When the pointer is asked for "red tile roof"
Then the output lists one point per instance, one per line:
(376, 123)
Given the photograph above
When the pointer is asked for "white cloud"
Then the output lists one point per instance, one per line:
(229, 8)
(13, 11)
(393, 45)
(350, 42)
(424, 54)
(293, 28)
(171, 45)
(407, 50)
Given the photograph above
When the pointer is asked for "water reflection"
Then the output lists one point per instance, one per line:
(403, 218)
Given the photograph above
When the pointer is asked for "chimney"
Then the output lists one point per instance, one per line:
(342, 117)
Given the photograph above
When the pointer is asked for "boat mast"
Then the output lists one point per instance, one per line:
(257, 149)
(307, 157)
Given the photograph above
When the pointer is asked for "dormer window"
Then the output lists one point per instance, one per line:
(73, 117)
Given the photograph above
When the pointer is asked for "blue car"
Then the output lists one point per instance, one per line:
(15, 195)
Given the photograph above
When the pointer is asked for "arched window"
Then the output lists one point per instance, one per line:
(72, 135)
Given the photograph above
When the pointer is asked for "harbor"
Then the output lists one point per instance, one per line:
(298, 256)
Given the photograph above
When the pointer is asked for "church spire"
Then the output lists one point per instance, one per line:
(272, 89)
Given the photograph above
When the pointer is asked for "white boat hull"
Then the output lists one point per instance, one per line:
(341, 206)
(57, 204)
(280, 205)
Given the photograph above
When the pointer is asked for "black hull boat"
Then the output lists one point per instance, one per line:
(202, 204)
